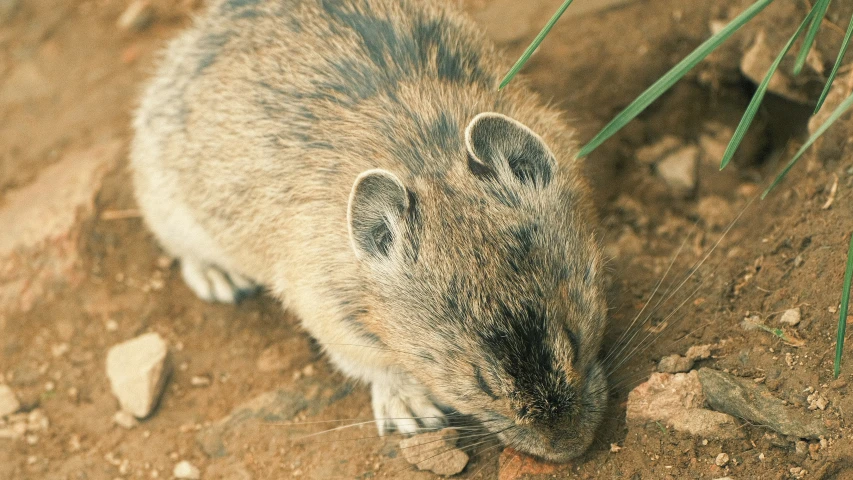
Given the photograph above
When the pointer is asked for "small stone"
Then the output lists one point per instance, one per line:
(615, 448)
(185, 470)
(420, 450)
(653, 153)
(137, 370)
(817, 401)
(757, 60)
(515, 465)
(137, 17)
(675, 364)
(722, 460)
(699, 352)
(679, 170)
(751, 323)
(111, 325)
(753, 402)
(37, 421)
(9, 403)
(59, 350)
(125, 420)
(791, 317)
(200, 381)
(801, 447)
(677, 400)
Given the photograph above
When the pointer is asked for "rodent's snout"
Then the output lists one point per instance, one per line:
(564, 434)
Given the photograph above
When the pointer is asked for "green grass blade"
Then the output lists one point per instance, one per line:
(818, 11)
(673, 75)
(533, 46)
(842, 319)
(755, 103)
(836, 114)
(835, 67)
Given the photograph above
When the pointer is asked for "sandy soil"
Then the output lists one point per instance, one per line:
(72, 288)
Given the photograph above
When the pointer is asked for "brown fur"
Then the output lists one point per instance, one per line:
(248, 143)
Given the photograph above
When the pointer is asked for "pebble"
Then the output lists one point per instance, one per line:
(678, 400)
(699, 352)
(9, 403)
(722, 460)
(125, 420)
(675, 364)
(423, 451)
(200, 381)
(653, 153)
(679, 170)
(791, 317)
(817, 401)
(757, 60)
(185, 470)
(754, 403)
(137, 17)
(137, 370)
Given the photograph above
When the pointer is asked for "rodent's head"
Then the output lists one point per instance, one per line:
(487, 289)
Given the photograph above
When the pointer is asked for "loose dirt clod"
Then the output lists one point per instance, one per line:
(754, 403)
(137, 371)
(9, 403)
(185, 470)
(722, 460)
(436, 452)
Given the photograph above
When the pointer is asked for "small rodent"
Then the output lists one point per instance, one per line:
(356, 158)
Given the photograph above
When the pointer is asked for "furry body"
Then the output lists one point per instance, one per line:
(249, 140)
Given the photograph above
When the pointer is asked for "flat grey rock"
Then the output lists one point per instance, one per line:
(750, 401)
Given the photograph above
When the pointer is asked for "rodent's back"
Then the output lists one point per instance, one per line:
(276, 106)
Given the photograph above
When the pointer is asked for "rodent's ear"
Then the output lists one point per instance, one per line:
(376, 205)
(495, 142)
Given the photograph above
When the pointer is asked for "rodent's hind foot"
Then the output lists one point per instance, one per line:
(212, 284)
(405, 406)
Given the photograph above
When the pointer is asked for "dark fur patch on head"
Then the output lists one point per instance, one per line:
(518, 342)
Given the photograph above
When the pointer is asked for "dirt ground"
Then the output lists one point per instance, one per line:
(85, 274)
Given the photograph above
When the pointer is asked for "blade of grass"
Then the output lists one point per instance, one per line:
(818, 11)
(752, 109)
(673, 75)
(841, 52)
(836, 114)
(842, 319)
(533, 46)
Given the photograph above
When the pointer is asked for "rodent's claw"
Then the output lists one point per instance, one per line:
(404, 407)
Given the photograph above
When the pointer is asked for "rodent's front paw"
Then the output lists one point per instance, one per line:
(404, 406)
